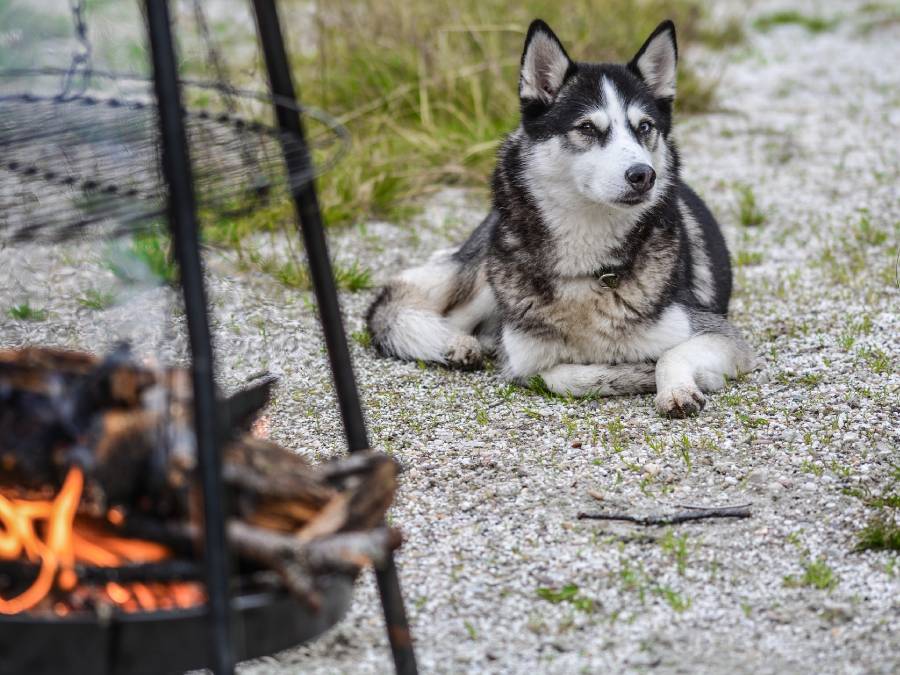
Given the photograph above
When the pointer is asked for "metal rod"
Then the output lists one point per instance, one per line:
(307, 205)
(183, 225)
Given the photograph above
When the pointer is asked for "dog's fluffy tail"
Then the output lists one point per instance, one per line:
(407, 318)
(406, 331)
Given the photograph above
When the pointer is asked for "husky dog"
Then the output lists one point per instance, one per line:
(597, 269)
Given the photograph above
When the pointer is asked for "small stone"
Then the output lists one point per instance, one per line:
(508, 490)
(651, 469)
(757, 478)
(837, 611)
(731, 480)
(576, 444)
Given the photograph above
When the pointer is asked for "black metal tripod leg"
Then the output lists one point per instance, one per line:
(183, 225)
(307, 206)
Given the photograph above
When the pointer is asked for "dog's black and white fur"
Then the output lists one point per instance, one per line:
(598, 269)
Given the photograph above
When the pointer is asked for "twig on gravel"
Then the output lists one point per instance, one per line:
(694, 507)
(672, 518)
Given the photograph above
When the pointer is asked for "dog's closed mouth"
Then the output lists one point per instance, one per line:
(632, 200)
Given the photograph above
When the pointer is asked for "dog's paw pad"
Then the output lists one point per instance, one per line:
(683, 401)
(464, 352)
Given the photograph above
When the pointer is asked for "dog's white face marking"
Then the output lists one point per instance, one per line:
(636, 114)
(585, 169)
(601, 120)
(599, 173)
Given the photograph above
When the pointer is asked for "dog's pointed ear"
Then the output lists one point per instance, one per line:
(545, 65)
(655, 63)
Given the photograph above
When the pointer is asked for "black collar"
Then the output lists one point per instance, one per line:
(611, 276)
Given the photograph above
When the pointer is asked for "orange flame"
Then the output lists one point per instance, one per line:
(66, 542)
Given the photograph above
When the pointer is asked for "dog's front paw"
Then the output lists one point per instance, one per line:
(681, 401)
(464, 352)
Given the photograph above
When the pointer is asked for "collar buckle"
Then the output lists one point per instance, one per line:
(608, 279)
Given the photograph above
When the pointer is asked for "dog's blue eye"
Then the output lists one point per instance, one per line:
(645, 127)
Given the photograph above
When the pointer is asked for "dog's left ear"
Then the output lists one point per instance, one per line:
(656, 61)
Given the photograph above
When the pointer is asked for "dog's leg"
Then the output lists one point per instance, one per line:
(466, 350)
(699, 364)
(619, 379)
(526, 356)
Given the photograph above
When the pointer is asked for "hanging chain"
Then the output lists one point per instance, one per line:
(225, 89)
(80, 60)
(214, 57)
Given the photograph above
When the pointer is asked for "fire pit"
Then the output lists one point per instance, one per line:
(169, 641)
(105, 560)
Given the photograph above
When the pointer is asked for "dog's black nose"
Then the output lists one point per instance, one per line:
(641, 176)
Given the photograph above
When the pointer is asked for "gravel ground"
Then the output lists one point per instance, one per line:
(495, 475)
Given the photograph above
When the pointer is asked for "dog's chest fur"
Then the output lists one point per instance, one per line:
(544, 287)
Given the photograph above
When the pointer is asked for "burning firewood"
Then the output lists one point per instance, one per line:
(98, 472)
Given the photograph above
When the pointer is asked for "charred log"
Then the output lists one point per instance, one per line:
(127, 432)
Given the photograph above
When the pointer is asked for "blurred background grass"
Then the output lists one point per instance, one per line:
(429, 88)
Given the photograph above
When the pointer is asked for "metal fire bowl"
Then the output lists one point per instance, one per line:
(156, 643)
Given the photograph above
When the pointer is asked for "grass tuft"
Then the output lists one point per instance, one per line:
(677, 548)
(568, 594)
(748, 258)
(814, 24)
(816, 574)
(147, 254)
(96, 299)
(869, 233)
(749, 213)
(538, 386)
(362, 337)
(25, 312)
(882, 533)
(294, 273)
(353, 278)
(673, 598)
(877, 359)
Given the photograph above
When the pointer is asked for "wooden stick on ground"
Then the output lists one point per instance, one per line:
(672, 518)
